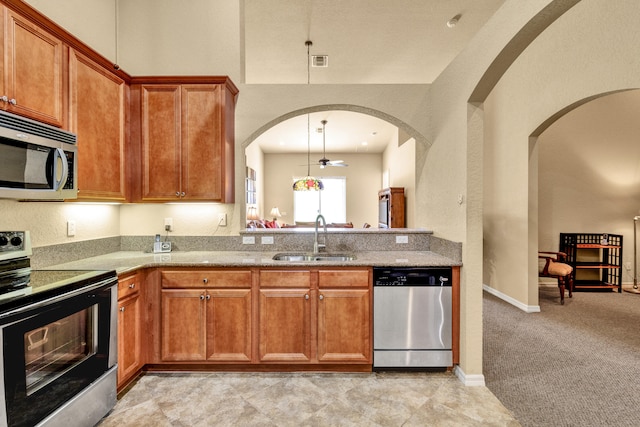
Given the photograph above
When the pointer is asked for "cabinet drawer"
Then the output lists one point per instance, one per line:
(207, 279)
(285, 278)
(128, 285)
(343, 278)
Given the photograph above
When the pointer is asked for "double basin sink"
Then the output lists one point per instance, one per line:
(306, 257)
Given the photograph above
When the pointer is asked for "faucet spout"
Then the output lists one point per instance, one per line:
(317, 246)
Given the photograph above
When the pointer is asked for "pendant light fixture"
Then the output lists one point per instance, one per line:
(308, 183)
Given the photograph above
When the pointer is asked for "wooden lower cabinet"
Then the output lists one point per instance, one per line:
(262, 318)
(129, 328)
(343, 326)
(209, 323)
(285, 325)
(328, 321)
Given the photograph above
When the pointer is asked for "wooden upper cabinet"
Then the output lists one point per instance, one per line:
(97, 116)
(33, 71)
(202, 145)
(160, 132)
(186, 139)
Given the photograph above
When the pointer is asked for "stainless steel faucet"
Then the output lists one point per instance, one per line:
(323, 245)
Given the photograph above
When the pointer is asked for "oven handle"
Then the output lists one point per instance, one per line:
(111, 281)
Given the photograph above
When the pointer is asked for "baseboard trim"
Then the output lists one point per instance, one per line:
(475, 380)
(512, 301)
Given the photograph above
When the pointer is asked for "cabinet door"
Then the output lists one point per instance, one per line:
(97, 117)
(160, 142)
(128, 338)
(285, 325)
(183, 325)
(344, 325)
(202, 144)
(33, 74)
(229, 325)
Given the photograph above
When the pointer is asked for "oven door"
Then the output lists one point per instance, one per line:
(52, 353)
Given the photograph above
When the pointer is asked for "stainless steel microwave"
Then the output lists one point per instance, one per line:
(37, 161)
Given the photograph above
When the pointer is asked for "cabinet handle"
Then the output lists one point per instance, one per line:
(13, 102)
(131, 286)
(321, 297)
(4, 98)
(121, 308)
(201, 297)
(177, 194)
(183, 194)
(205, 280)
(306, 296)
(208, 297)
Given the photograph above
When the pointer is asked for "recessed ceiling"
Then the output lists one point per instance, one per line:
(345, 132)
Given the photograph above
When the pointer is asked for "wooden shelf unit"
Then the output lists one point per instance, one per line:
(595, 265)
(391, 208)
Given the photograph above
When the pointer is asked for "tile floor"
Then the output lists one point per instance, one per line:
(306, 399)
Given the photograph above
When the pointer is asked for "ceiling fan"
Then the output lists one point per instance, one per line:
(324, 162)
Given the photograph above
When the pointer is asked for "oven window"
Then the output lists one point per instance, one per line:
(55, 348)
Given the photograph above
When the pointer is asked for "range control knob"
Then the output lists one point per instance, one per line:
(3, 240)
(16, 240)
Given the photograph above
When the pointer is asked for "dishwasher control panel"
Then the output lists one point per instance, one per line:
(411, 276)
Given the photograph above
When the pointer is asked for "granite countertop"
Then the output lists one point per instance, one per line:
(125, 261)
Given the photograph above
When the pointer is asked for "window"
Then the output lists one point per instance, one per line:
(330, 202)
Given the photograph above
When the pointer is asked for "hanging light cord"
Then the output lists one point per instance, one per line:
(308, 147)
(308, 43)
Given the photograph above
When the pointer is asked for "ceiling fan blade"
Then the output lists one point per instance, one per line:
(339, 163)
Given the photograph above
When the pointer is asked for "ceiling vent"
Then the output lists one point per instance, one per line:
(319, 60)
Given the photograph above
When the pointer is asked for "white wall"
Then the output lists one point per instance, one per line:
(363, 183)
(597, 54)
(47, 221)
(399, 162)
(97, 28)
(589, 173)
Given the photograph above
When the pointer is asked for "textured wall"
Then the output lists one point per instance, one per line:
(591, 50)
(47, 221)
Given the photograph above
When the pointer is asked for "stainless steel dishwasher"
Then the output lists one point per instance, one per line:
(411, 317)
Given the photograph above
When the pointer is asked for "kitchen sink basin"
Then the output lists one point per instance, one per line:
(313, 257)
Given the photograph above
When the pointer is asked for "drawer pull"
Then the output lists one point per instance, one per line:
(306, 296)
(131, 286)
(205, 280)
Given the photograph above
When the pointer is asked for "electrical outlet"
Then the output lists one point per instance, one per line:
(222, 219)
(267, 240)
(402, 239)
(248, 240)
(627, 266)
(168, 224)
(71, 228)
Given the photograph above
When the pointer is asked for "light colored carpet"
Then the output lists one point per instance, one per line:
(571, 365)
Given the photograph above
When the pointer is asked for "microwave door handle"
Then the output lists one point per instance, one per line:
(59, 154)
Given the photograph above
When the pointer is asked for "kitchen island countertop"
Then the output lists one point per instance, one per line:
(128, 261)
